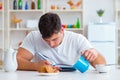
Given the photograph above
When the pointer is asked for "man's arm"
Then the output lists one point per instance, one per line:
(94, 57)
(99, 60)
(24, 60)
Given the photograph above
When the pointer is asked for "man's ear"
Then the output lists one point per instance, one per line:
(62, 29)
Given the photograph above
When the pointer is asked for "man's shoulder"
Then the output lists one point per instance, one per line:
(34, 34)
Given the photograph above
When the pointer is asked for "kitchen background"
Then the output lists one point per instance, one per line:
(16, 23)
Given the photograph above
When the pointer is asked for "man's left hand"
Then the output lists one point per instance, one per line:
(90, 54)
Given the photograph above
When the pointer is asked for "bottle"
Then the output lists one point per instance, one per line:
(78, 23)
(26, 6)
(38, 4)
(33, 4)
(19, 4)
(14, 5)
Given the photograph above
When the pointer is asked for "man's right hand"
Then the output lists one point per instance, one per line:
(42, 63)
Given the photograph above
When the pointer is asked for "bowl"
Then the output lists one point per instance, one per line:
(102, 68)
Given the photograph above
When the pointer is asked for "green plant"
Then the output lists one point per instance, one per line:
(100, 12)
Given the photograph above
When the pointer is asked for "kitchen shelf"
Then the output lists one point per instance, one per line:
(2, 29)
(67, 15)
(32, 11)
(24, 16)
(117, 18)
(29, 14)
(67, 10)
(74, 28)
(22, 29)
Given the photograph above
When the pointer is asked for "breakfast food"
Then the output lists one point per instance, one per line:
(48, 69)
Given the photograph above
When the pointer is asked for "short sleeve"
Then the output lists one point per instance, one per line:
(83, 44)
(28, 43)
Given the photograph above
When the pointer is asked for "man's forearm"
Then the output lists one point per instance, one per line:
(25, 64)
(99, 60)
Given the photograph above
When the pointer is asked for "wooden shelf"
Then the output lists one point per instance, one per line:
(2, 27)
(26, 15)
(25, 29)
(74, 29)
(68, 10)
(32, 11)
(117, 13)
(22, 29)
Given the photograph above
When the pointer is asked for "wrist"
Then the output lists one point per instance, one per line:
(36, 66)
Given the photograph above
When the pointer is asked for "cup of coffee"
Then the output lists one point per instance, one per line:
(81, 64)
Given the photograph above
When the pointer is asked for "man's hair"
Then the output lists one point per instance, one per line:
(49, 24)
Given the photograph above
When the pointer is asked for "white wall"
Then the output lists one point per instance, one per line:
(91, 6)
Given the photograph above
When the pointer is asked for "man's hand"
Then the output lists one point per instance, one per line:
(90, 54)
(43, 63)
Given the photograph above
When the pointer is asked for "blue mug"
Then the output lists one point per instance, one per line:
(82, 64)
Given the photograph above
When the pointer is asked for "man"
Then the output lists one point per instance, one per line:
(55, 44)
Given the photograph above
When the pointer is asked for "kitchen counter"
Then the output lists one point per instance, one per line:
(113, 74)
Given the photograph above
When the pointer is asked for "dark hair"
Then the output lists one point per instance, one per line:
(49, 24)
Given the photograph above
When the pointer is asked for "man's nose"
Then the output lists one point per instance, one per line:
(51, 43)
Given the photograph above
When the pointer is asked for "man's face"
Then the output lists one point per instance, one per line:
(55, 40)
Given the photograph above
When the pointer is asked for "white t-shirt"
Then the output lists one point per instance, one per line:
(66, 53)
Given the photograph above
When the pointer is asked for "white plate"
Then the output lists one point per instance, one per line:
(48, 74)
(102, 68)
